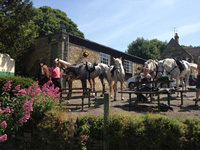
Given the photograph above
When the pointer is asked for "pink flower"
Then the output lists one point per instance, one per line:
(3, 138)
(7, 86)
(3, 124)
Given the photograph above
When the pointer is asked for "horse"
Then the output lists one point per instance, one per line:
(88, 70)
(170, 66)
(116, 73)
(71, 76)
(44, 75)
(152, 65)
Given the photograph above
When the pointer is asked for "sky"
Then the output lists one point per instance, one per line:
(117, 23)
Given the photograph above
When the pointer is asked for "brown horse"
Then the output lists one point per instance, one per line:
(71, 76)
(44, 75)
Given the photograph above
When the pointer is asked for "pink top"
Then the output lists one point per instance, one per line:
(55, 72)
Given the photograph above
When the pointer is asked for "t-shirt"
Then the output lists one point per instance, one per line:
(198, 61)
(55, 72)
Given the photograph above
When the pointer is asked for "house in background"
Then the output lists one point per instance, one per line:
(70, 48)
(174, 50)
(195, 52)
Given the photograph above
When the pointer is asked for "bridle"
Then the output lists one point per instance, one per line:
(168, 72)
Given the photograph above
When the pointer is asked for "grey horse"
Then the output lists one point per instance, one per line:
(89, 71)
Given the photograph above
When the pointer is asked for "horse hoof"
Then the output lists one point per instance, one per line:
(115, 100)
(101, 95)
(122, 99)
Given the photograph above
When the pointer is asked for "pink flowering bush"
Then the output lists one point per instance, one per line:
(24, 104)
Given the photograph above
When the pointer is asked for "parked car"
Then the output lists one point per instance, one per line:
(131, 85)
(131, 80)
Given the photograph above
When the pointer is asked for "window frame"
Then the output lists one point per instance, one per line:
(129, 64)
(106, 58)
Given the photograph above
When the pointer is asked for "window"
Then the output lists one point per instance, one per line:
(104, 58)
(128, 66)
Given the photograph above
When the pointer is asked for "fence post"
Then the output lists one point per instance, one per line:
(106, 115)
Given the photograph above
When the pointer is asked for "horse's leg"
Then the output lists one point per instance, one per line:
(103, 85)
(83, 86)
(122, 98)
(70, 88)
(115, 90)
(111, 89)
(92, 85)
(177, 85)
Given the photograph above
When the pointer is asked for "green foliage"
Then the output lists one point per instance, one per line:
(126, 131)
(17, 108)
(17, 30)
(48, 21)
(146, 49)
(16, 80)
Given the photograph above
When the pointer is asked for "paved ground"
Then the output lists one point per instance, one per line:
(188, 109)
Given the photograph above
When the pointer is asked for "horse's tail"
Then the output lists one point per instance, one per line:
(193, 66)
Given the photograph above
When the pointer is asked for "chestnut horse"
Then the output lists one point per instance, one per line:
(44, 75)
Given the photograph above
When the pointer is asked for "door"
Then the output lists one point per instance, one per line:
(54, 53)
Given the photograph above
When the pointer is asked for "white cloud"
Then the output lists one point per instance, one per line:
(189, 29)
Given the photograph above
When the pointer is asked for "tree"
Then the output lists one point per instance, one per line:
(146, 49)
(17, 30)
(48, 21)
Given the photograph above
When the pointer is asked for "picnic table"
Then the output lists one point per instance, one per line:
(167, 91)
(80, 90)
(185, 91)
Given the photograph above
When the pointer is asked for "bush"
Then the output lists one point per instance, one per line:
(17, 108)
(16, 80)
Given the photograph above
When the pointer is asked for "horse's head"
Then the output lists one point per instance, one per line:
(118, 68)
(160, 68)
(118, 64)
(44, 73)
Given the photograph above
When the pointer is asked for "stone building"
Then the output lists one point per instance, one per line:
(70, 48)
(195, 52)
(174, 50)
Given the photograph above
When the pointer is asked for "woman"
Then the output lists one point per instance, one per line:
(145, 87)
(55, 75)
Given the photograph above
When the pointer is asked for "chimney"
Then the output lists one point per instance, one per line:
(176, 38)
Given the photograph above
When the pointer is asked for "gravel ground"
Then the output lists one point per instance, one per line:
(188, 109)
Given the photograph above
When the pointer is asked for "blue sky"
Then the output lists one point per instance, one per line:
(117, 23)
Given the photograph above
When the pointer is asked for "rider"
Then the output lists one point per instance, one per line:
(145, 87)
(198, 82)
(55, 75)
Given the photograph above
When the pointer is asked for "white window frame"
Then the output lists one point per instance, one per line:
(128, 66)
(104, 58)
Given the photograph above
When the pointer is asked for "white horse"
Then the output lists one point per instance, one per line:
(170, 66)
(116, 73)
(152, 65)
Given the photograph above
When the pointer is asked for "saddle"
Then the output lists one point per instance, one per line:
(90, 67)
(180, 64)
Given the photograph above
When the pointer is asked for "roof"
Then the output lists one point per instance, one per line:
(195, 52)
(173, 46)
(104, 49)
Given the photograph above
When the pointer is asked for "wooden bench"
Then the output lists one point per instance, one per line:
(184, 91)
(161, 91)
(151, 92)
(88, 92)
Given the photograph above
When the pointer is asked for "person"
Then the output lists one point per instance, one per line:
(145, 76)
(55, 75)
(198, 82)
